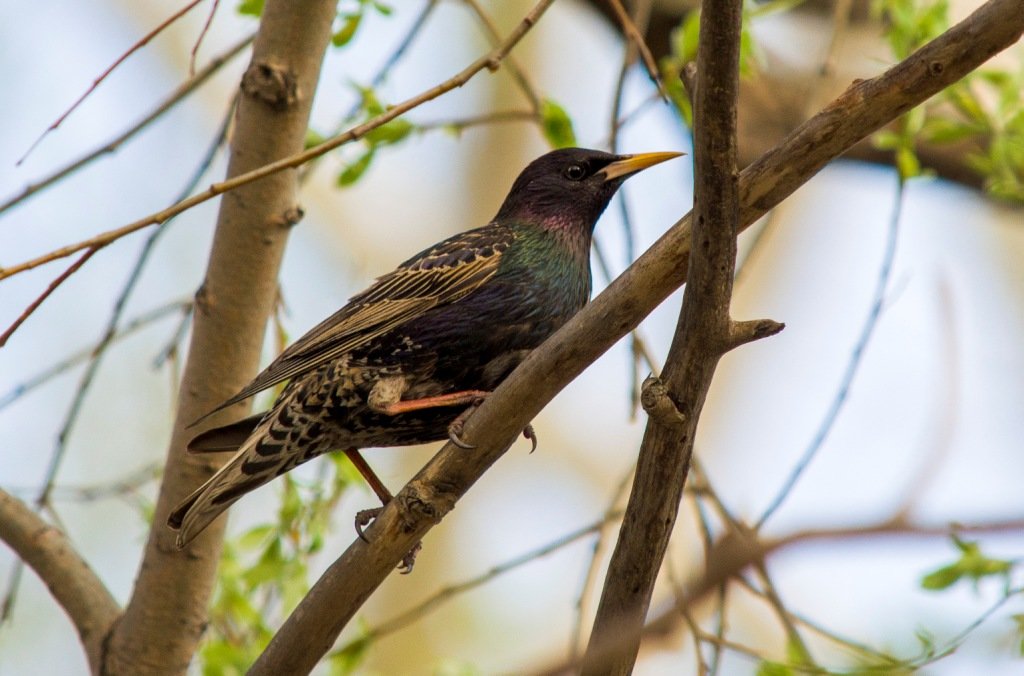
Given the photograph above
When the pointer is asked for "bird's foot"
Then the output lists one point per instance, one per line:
(456, 428)
(365, 517)
(458, 425)
(409, 560)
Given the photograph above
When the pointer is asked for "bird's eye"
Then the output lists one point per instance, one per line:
(575, 172)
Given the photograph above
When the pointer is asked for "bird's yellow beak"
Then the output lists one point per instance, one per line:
(630, 164)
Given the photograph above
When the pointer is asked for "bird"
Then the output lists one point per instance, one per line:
(407, 360)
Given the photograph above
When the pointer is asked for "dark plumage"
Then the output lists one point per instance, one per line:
(399, 362)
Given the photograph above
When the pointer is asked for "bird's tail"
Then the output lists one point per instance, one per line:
(262, 454)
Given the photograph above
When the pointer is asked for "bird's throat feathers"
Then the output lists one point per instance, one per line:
(570, 235)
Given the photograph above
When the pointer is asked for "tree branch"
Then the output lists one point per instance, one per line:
(69, 578)
(166, 615)
(702, 337)
(432, 493)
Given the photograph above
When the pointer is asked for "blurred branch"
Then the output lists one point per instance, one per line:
(110, 69)
(490, 61)
(175, 97)
(42, 377)
(34, 305)
(128, 485)
(635, 37)
(590, 578)
(449, 592)
(852, 366)
(735, 552)
(199, 39)
(459, 124)
(433, 492)
(517, 72)
(71, 581)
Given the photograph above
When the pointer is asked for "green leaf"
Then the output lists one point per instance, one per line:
(972, 564)
(390, 132)
(556, 125)
(348, 29)
(313, 138)
(250, 7)
(256, 537)
(355, 171)
(943, 130)
(382, 9)
(942, 578)
(769, 668)
(907, 163)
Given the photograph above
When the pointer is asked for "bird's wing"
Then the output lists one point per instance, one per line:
(442, 274)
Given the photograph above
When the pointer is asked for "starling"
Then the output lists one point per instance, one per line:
(405, 360)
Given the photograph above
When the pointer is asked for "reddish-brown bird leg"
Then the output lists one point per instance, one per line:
(365, 516)
(450, 399)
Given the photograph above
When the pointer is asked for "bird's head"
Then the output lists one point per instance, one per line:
(570, 187)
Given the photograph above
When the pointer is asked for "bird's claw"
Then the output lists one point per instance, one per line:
(531, 435)
(455, 436)
(409, 560)
(458, 425)
(363, 519)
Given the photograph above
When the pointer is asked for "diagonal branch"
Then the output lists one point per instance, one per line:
(432, 493)
(74, 585)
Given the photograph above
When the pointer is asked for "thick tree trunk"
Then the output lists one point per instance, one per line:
(166, 616)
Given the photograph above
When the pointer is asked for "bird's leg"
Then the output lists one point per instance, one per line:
(384, 398)
(364, 517)
(473, 397)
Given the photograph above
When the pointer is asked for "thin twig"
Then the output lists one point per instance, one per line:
(178, 95)
(637, 38)
(64, 365)
(515, 70)
(199, 39)
(852, 366)
(490, 61)
(459, 124)
(590, 578)
(396, 55)
(96, 83)
(449, 592)
(34, 305)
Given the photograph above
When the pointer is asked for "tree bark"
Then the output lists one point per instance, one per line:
(166, 616)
